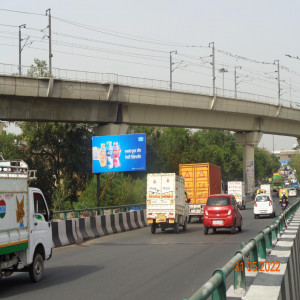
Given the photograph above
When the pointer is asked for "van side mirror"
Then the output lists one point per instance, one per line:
(50, 215)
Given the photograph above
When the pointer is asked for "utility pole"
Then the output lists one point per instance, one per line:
(278, 79)
(20, 48)
(213, 67)
(235, 83)
(171, 67)
(48, 13)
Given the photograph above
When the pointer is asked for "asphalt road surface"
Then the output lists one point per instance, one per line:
(136, 264)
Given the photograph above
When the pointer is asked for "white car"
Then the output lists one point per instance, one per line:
(292, 192)
(263, 206)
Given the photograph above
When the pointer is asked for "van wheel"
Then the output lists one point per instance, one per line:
(205, 230)
(233, 228)
(255, 216)
(36, 269)
(176, 228)
(185, 225)
(153, 228)
(240, 227)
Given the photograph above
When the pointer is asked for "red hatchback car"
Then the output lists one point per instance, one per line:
(222, 211)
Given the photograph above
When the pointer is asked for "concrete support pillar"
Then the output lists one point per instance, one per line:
(111, 129)
(248, 140)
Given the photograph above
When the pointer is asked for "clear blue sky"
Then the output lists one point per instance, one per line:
(134, 38)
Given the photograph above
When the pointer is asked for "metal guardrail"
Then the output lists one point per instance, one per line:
(256, 250)
(89, 212)
(76, 75)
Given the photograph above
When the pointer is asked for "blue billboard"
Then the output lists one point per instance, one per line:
(119, 153)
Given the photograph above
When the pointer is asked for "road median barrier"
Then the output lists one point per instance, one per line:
(77, 230)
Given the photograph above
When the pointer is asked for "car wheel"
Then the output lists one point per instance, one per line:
(176, 228)
(233, 228)
(153, 228)
(214, 230)
(185, 225)
(240, 227)
(205, 230)
(36, 269)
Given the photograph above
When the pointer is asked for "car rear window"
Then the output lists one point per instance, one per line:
(262, 198)
(218, 201)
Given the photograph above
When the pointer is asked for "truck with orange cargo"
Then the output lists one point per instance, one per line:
(201, 181)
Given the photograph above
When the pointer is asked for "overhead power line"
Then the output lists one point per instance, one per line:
(22, 12)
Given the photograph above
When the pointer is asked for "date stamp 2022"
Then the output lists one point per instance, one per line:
(261, 266)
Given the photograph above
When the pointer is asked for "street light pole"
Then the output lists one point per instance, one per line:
(278, 79)
(223, 70)
(213, 67)
(20, 48)
(171, 67)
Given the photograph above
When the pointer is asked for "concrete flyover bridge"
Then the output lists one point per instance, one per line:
(74, 96)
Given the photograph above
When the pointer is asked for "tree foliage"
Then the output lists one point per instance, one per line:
(38, 69)
(61, 153)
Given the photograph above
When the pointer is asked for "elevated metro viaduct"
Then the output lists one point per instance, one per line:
(115, 106)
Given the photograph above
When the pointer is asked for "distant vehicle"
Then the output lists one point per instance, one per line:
(292, 192)
(263, 206)
(267, 188)
(277, 182)
(286, 182)
(237, 188)
(222, 211)
(261, 191)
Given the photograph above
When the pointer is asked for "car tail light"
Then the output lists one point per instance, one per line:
(270, 203)
(206, 212)
(255, 204)
(229, 212)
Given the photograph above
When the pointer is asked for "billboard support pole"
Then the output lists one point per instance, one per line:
(98, 193)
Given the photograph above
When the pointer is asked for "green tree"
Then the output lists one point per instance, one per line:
(119, 189)
(38, 69)
(61, 153)
(10, 146)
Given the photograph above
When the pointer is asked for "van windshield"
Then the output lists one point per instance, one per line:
(218, 201)
(262, 198)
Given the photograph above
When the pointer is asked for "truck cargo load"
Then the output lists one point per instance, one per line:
(237, 189)
(201, 181)
(166, 205)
